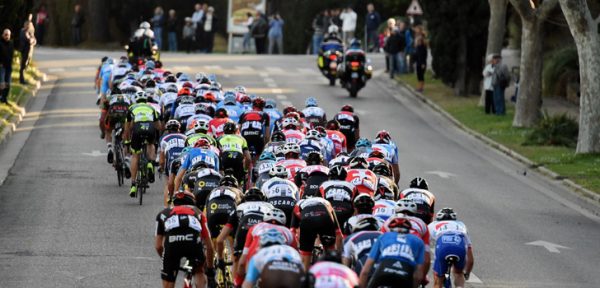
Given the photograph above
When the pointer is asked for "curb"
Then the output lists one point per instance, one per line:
(591, 196)
(15, 120)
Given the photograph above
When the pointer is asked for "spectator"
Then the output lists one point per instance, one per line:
(41, 20)
(276, 34)
(158, 21)
(188, 34)
(420, 58)
(7, 50)
(348, 18)
(172, 30)
(260, 28)
(409, 50)
(391, 23)
(248, 35)
(335, 19)
(26, 42)
(373, 21)
(76, 24)
(401, 55)
(394, 47)
(197, 25)
(319, 25)
(500, 80)
(209, 24)
(488, 72)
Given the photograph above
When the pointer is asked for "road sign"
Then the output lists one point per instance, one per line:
(551, 247)
(414, 8)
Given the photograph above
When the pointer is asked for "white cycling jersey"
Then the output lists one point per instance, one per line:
(277, 187)
(438, 228)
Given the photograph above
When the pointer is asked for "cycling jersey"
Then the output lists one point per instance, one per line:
(253, 126)
(450, 238)
(390, 151)
(184, 111)
(261, 172)
(357, 247)
(252, 244)
(105, 77)
(310, 179)
(340, 194)
(417, 228)
(328, 150)
(282, 258)
(233, 143)
(384, 209)
(215, 126)
(142, 115)
(364, 180)
(221, 202)
(315, 217)
(437, 228)
(293, 136)
(333, 275)
(282, 194)
(118, 108)
(233, 111)
(167, 101)
(361, 152)
(203, 182)
(315, 115)
(425, 201)
(348, 125)
(339, 141)
(246, 215)
(309, 145)
(274, 117)
(292, 166)
(172, 145)
(406, 248)
(199, 155)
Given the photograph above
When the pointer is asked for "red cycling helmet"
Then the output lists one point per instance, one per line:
(245, 99)
(184, 92)
(210, 97)
(202, 143)
(377, 154)
(289, 109)
(187, 85)
(348, 108)
(333, 125)
(383, 137)
(294, 115)
(399, 224)
(258, 102)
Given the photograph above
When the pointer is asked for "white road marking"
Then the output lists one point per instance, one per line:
(244, 68)
(87, 68)
(442, 174)
(274, 69)
(94, 153)
(271, 85)
(551, 247)
(281, 97)
(263, 74)
(54, 70)
(181, 68)
(213, 67)
(306, 71)
(269, 80)
(226, 75)
(286, 103)
(474, 279)
(276, 91)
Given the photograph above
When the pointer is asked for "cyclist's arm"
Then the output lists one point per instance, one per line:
(179, 178)
(364, 273)
(417, 275)
(210, 251)
(162, 161)
(396, 171)
(470, 261)
(158, 244)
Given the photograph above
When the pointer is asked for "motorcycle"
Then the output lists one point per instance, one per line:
(328, 63)
(357, 70)
(138, 61)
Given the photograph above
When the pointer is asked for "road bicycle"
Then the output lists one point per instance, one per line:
(451, 260)
(224, 273)
(119, 161)
(142, 174)
(188, 273)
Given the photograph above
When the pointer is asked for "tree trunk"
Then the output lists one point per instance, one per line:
(97, 14)
(529, 100)
(496, 29)
(460, 85)
(585, 32)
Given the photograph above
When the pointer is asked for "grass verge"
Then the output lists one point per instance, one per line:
(581, 169)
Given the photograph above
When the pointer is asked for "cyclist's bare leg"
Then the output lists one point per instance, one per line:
(135, 158)
(306, 260)
(438, 281)
(200, 277)
(167, 284)
(151, 152)
(459, 278)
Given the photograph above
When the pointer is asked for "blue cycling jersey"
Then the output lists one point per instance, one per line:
(357, 247)
(407, 248)
(274, 116)
(233, 112)
(328, 148)
(309, 145)
(196, 155)
(391, 152)
(172, 145)
(105, 74)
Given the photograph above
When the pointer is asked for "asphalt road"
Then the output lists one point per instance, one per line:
(66, 223)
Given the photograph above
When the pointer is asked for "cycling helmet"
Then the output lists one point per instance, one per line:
(186, 100)
(245, 99)
(229, 127)
(445, 214)
(184, 198)
(172, 88)
(210, 97)
(202, 143)
(271, 237)
(333, 125)
(279, 171)
(420, 183)
(270, 104)
(347, 108)
(291, 148)
(140, 96)
(289, 109)
(201, 109)
(240, 89)
(358, 163)
(313, 134)
(383, 137)
(311, 102)
(173, 125)
(183, 77)
(150, 65)
(184, 92)
(229, 98)
(229, 181)
(171, 79)
(279, 151)
(382, 169)
(355, 44)
(259, 103)
(314, 158)
(199, 76)
(267, 156)
(333, 29)
(275, 216)
(364, 203)
(368, 223)
(201, 126)
(254, 194)
(278, 136)
(363, 142)
(338, 172)
(406, 206)
(144, 25)
(398, 224)
(385, 190)
(222, 113)
(290, 123)
(377, 154)
(331, 256)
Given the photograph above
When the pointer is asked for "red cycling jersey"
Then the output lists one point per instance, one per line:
(364, 180)
(293, 136)
(293, 166)
(215, 126)
(252, 244)
(339, 141)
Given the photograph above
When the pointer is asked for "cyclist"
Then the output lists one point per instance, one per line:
(339, 193)
(338, 138)
(118, 107)
(358, 174)
(275, 264)
(260, 173)
(292, 163)
(168, 99)
(140, 129)
(215, 126)
(103, 81)
(234, 151)
(314, 216)
(399, 256)
(291, 129)
(314, 114)
(221, 202)
(362, 235)
(199, 131)
(326, 143)
(311, 143)
(425, 201)
(277, 140)
(281, 192)
(199, 155)
(362, 148)
(181, 232)
(274, 114)
(171, 146)
(184, 110)
(203, 180)
(384, 209)
(349, 125)
(312, 176)
(203, 112)
(451, 238)
(386, 188)
(341, 159)
(383, 142)
(254, 126)
(329, 272)
(234, 110)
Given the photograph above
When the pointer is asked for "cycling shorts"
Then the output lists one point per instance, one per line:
(280, 273)
(313, 224)
(392, 273)
(449, 244)
(256, 143)
(343, 211)
(217, 214)
(245, 223)
(235, 161)
(142, 132)
(174, 251)
(117, 112)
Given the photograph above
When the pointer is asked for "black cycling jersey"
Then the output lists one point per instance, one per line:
(340, 194)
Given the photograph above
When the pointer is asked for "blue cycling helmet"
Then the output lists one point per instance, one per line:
(110, 61)
(229, 98)
(311, 102)
(150, 64)
(271, 237)
(185, 150)
(270, 104)
(363, 142)
(266, 155)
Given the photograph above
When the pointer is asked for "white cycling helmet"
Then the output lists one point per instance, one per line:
(145, 25)
(406, 206)
(276, 215)
(313, 134)
(290, 122)
(201, 125)
(333, 29)
(278, 171)
(140, 96)
(240, 89)
(356, 224)
(291, 148)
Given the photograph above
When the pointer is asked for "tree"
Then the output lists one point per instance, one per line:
(496, 29)
(98, 16)
(584, 29)
(529, 102)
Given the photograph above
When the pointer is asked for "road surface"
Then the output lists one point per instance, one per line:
(66, 223)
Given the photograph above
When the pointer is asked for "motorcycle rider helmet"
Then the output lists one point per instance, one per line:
(314, 158)
(278, 136)
(355, 44)
(279, 171)
(254, 194)
(337, 172)
(420, 183)
(333, 29)
(173, 125)
(267, 156)
(446, 213)
(311, 102)
(275, 216)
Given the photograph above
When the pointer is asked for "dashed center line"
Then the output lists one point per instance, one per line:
(276, 91)
(280, 97)
(87, 68)
(274, 69)
(54, 70)
(263, 74)
(245, 68)
(269, 80)
(271, 85)
(181, 68)
(286, 103)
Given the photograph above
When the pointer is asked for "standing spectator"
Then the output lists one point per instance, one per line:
(348, 18)
(319, 25)
(409, 50)
(391, 23)
(373, 21)
(260, 28)
(76, 24)
(172, 30)
(488, 72)
(276, 34)
(7, 50)
(158, 21)
(335, 19)
(188, 34)
(500, 80)
(26, 42)
(248, 35)
(41, 20)
(420, 58)
(401, 55)
(393, 47)
(197, 19)
(209, 24)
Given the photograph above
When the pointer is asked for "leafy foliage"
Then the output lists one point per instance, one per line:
(558, 65)
(559, 130)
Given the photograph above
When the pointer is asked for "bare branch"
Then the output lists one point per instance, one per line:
(523, 8)
(546, 8)
(597, 20)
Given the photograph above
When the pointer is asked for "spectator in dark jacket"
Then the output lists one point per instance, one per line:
(41, 20)
(420, 56)
(394, 47)
(209, 23)
(158, 21)
(259, 32)
(76, 24)
(7, 50)
(373, 21)
(172, 30)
